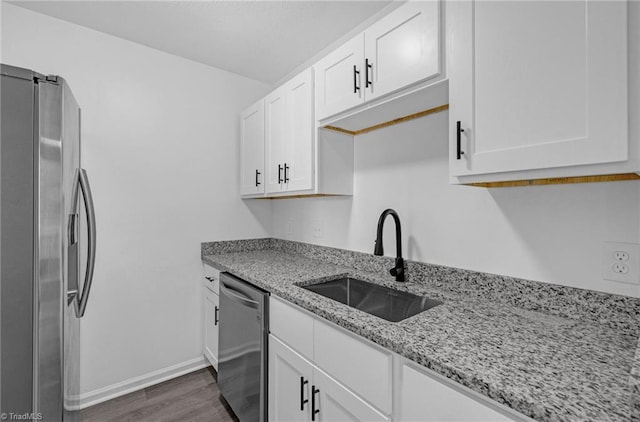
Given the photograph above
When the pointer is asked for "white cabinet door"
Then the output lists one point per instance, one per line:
(334, 403)
(211, 311)
(289, 135)
(275, 139)
(353, 363)
(252, 150)
(290, 380)
(340, 79)
(422, 398)
(298, 163)
(403, 48)
(551, 94)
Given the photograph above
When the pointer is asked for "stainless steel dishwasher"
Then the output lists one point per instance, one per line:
(242, 348)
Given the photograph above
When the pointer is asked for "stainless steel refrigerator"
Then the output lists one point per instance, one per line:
(47, 248)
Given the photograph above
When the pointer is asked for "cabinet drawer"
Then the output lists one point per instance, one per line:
(434, 398)
(291, 325)
(211, 278)
(360, 366)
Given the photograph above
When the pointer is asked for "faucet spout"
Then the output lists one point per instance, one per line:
(398, 270)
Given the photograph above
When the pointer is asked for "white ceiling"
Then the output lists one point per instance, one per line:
(263, 40)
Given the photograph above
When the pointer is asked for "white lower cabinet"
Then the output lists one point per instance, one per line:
(299, 391)
(211, 306)
(289, 384)
(211, 315)
(321, 372)
(423, 398)
(334, 402)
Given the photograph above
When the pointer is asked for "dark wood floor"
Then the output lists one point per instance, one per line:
(191, 397)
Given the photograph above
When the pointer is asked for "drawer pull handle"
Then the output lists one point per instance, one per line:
(314, 390)
(459, 151)
(356, 74)
(215, 317)
(303, 401)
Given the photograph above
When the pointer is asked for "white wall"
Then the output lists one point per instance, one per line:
(160, 148)
(548, 233)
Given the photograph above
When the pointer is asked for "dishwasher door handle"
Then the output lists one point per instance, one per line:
(238, 296)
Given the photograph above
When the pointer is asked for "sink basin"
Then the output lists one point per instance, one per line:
(383, 302)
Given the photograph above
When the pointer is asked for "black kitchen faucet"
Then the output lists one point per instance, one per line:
(398, 270)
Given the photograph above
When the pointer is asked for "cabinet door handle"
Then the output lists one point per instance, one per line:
(314, 390)
(215, 317)
(303, 401)
(356, 73)
(257, 174)
(279, 174)
(459, 151)
(286, 171)
(367, 82)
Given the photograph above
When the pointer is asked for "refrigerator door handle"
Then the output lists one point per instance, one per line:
(72, 289)
(82, 182)
(91, 240)
(72, 244)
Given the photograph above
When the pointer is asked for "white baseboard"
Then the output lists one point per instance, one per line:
(134, 384)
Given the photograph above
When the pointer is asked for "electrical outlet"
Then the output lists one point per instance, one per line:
(621, 255)
(620, 268)
(621, 262)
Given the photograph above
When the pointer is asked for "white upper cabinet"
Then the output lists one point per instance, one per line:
(301, 129)
(282, 152)
(275, 139)
(252, 150)
(401, 49)
(339, 79)
(536, 85)
(289, 135)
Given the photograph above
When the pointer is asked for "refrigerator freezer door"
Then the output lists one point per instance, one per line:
(17, 239)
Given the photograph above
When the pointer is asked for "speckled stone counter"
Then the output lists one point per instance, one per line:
(551, 352)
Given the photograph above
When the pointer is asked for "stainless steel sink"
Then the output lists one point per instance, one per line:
(383, 302)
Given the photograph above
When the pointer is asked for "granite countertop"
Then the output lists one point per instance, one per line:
(550, 352)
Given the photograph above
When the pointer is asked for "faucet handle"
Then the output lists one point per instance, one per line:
(398, 270)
